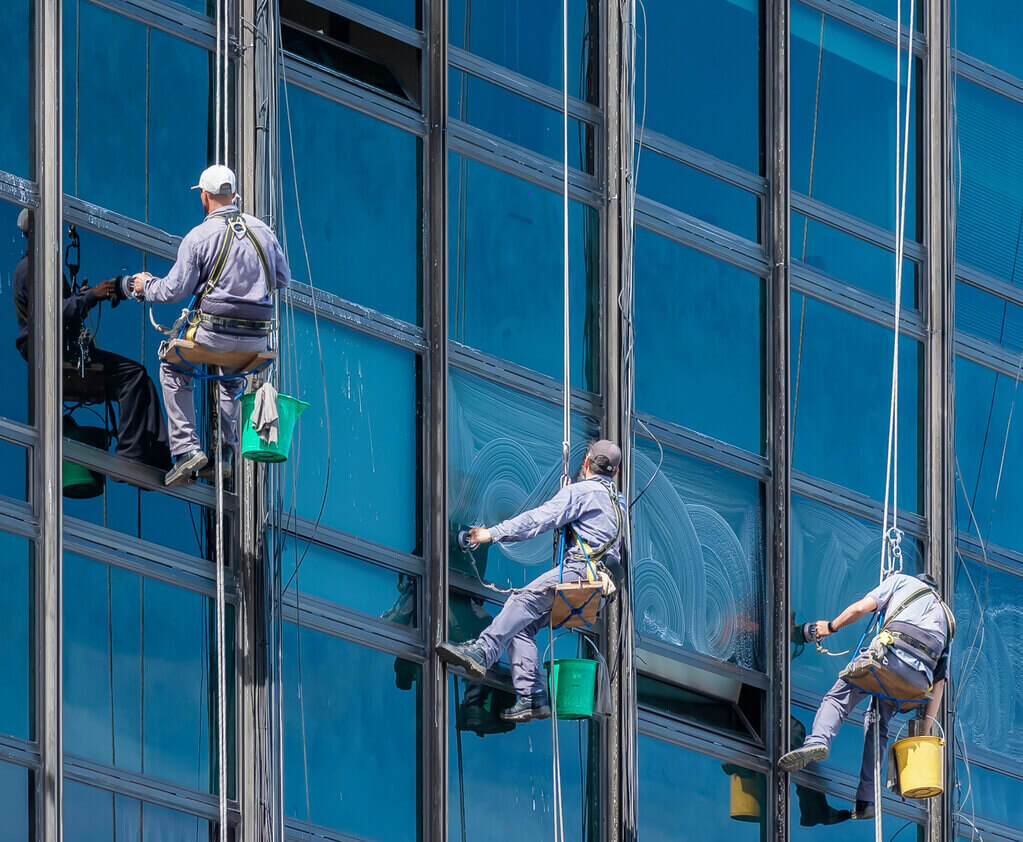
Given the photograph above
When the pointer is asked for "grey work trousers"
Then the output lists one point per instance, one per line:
(179, 400)
(515, 627)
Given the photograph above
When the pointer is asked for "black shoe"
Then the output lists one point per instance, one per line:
(537, 706)
(863, 810)
(209, 473)
(814, 809)
(184, 466)
(800, 757)
(469, 656)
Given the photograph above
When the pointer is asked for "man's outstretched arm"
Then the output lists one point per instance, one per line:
(856, 611)
(562, 508)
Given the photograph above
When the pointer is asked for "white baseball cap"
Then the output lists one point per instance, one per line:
(217, 180)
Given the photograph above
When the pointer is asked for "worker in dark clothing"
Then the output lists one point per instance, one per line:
(912, 644)
(232, 263)
(594, 512)
(141, 435)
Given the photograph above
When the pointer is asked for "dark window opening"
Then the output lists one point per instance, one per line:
(742, 719)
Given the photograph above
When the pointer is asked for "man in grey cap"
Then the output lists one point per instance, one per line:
(593, 511)
(232, 263)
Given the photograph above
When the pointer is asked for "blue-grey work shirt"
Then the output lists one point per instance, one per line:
(242, 281)
(924, 613)
(587, 506)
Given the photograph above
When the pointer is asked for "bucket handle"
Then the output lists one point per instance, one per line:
(935, 721)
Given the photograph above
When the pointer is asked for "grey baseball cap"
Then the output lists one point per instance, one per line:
(609, 450)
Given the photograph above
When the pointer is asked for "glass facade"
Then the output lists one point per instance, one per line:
(731, 256)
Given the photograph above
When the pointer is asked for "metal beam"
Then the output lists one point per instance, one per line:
(778, 215)
(48, 366)
(434, 703)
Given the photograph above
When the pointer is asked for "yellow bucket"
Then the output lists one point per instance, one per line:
(920, 761)
(744, 804)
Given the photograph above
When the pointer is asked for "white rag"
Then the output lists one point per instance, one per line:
(264, 413)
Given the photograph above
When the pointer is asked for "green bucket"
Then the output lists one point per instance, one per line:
(258, 450)
(573, 684)
(79, 482)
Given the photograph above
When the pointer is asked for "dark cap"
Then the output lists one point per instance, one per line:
(605, 457)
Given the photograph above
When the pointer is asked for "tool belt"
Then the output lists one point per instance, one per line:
(243, 319)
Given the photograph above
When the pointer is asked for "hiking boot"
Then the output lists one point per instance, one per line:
(469, 656)
(863, 810)
(537, 706)
(800, 757)
(814, 809)
(185, 465)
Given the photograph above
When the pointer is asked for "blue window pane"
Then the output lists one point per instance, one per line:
(987, 29)
(17, 801)
(989, 454)
(509, 34)
(366, 437)
(991, 181)
(506, 269)
(16, 106)
(140, 674)
(835, 560)
(17, 637)
(521, 121)
(698, 194)
(846, 749)
(889, 8)
(988, 317)
(350, 581)
(504, 457)
(844, 127)
(851, 260)
(359, 185)
(95, 815)
(18, 375)
(504, 780)
(993, 796)
(726, 801)
(351, 738)
(699, 332)
(15, 469)
(988, 659)
(702, 79)
(861, 831)
(841, 387)
(698, 546)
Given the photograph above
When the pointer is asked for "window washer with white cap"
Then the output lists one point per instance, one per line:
(233, 263)
(594, 511)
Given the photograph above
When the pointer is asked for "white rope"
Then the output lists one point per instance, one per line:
(216, 87)
(221, 655)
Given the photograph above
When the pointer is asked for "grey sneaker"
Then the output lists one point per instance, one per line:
(469, 656)
(537, 706)
(184, 466)
(802, 756)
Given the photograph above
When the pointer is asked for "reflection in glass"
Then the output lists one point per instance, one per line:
(16, 100)
(986, 29)
(95, 815)
(993, 795)
(699, 342)
(140, 674)
(858, 831)
(698, 555)
(703, 76)
(841, 387)
(680, 790)
(989, 317)
(365, 441)
(504, 452)
(15, 470)
(501, 784)
(16, 400)
(17, 637)
(843, 120)
(505, 251)
(361, 200)
(351, 737)
(17, 801)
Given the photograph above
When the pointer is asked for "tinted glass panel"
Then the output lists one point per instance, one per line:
(698, 545)
(699, 332)
(17, 648)
(15, 469)
(94, 815)
(360, 191)
(725, 800)
(509, 34)
(503, 779)
(989, 454)
(889, 8)
(140, 674)
(702, 60)
(17, 800)
(986, 29)
(506, 266)
(520, 121)
(860, 831)
(843, 120)
(364, 442)
(989, 317)
(16, 287)
(835, 560)
(504, 457)
(988, 225)
(16, 102)
(994, 796)
(351, 759)
(841, 386)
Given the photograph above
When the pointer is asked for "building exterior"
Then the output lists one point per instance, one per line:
(731, 249)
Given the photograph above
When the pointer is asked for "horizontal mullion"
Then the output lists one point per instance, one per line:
(993, 762)
(695, 233)
(849, 224)
(677, 732)
(868, 21)
(689, 441)
(989, 355)
(683, 655)
(842, 784)
(373, 20)
(296, 830)
(120, 228)
(991, 555)
(353, 626)
(702, 161)
(360, 548)
(19, 752)
(18, 433)
(853, 502)
(988, 76)
(989, 283)
(171, 18)
(524, 86)
(19, 190)
(16, 517)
